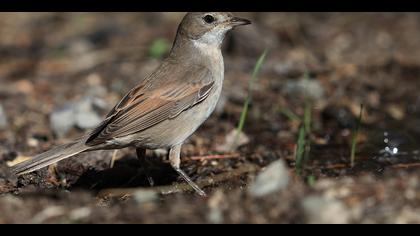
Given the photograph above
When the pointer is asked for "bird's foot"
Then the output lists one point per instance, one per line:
(197, 189)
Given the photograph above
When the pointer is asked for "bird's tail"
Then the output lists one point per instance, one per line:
(50, 157)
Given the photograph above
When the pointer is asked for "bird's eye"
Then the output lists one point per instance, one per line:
(209, 19)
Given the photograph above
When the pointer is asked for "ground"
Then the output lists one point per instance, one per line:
(319, 69)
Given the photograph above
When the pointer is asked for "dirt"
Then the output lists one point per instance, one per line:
(49, 59)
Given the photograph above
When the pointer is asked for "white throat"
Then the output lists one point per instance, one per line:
(210, 42)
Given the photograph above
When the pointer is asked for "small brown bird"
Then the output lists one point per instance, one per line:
(167, 106)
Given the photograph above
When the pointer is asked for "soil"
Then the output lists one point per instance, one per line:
(345, 59)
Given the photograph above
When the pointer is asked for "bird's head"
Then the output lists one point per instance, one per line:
(209, 27)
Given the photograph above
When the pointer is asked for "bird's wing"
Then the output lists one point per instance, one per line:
(152, 103)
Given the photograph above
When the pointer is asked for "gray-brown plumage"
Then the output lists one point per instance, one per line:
(167, 106)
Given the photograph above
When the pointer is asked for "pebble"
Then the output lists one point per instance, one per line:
(323, 210)
(215, 204)
(273, 178)
(3, 118)
(143, 196)
(233, 141)
(62, 120)
(408, 215)
(85, 115)
(309, 88)
(82, 114)
(80, 213)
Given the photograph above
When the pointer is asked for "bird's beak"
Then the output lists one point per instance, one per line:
(236, 21)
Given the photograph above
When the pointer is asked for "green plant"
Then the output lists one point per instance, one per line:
(245, 108)
(300, 149)
(303, 147)
(311, 180)
(354, 137)
(289, 114)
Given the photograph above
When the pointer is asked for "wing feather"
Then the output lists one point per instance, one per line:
(148, 105)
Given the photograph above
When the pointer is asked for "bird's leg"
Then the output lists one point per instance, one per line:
(175, 160)
(145, 165)
(114, 157)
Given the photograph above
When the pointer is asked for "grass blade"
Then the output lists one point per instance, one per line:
(307, 117)
(354, 138)
(245, 108)
(300, 149)
(289, 114)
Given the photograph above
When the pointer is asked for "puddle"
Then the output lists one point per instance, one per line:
(384, 149)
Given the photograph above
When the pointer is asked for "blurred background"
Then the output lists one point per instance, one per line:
(332, 133)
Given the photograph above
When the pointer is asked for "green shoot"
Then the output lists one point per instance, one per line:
(300, 149)
(307, 117)
(245, 108)
(304, 143)
(289, 114)
(311, 180)
(354, 138)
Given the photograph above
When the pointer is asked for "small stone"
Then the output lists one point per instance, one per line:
(85, 116)
(32, 142)
(233, 141)
(87, 120)
(143, 196)
(62, 120)
(215, 203)
(24, 86)
(80, 47)
(408, 216)
(309, 88)
(80, 213)
(3, 118)
(273, 178)
(396, 112)
(322, 210)
(82, 114)
(11, 201)
(100, 104)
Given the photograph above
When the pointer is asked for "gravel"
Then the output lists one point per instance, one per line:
(272, 179)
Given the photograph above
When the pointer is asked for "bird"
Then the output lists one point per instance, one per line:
(167, 106)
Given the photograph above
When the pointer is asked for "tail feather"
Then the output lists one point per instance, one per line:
(50, 157)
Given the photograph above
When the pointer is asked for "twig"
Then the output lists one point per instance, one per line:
(245, 108)
(211, 157)
(122, 192)
(408, 165)
(336, 166)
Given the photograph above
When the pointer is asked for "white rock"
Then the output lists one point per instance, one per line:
(233, 141)
(143, 196)
(3, 117)
(408, 216)
(87, 120)
(215, 204)
(322, 210)
(81, 114)
(80, 213)
(272, 179)
(305, 87)
(85, 115)
(62, 120)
